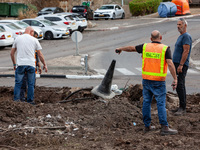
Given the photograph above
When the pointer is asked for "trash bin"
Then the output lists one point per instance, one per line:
(4, 9)
(167, 9)
(182, 7)
(15, 7)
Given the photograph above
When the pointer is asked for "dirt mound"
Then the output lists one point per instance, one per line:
(73, 118)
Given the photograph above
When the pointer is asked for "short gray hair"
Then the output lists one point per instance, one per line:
(183, 20)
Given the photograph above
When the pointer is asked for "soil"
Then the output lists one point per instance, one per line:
(73, 118)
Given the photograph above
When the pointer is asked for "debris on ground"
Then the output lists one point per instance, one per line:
(93, 123)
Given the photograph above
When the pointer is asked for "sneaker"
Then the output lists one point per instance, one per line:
(150, 128)
(165, 130)
(18, 100)
(33, 103)
(175, 110)
(180, 112)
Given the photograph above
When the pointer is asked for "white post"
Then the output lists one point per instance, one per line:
(122, 2)
(77, 54)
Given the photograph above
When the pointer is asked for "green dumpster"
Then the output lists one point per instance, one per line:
(86, 4)
(15, 7)
(4, 9)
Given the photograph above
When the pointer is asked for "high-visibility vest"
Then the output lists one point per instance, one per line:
(154, 66)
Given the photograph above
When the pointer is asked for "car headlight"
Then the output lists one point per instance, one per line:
(57, 29)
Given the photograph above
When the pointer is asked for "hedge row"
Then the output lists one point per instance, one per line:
(143, 7)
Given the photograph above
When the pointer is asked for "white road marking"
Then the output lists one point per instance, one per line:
(125, 71)
(6, 67)
(192, 71)
(101, 71)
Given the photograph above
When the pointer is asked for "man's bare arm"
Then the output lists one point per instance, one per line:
(126, 48)
(173, 72)
(41, 57)
(186, 49)
(12, 55)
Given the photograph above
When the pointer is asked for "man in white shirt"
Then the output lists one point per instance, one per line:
(25, 46)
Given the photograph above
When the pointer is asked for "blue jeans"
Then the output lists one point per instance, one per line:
(158, 89)
(19, 75)
(23, 88)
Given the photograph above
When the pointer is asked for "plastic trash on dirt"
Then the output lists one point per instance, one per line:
(116, 90)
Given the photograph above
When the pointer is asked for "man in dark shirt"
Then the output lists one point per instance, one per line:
(156, 57)
(181, 58)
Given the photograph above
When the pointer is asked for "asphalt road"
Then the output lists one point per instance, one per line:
(100, 45)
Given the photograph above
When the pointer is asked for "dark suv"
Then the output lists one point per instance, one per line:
(50, 10)
(85, 11)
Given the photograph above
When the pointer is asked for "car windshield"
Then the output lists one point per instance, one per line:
(78, 9)
(106, 7)
(48, 9)
(13, 26)
(22, 24)
(47, 22)
(69, 18)
(80, 16)
(2, 30)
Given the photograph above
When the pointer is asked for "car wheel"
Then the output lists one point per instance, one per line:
(86, 17)
(123, 16)
(80, 29)
(113, 17)
(49, 35)
(2, 47)
(95, 19)
(106, 18)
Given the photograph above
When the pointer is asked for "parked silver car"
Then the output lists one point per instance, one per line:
(61, 19)
(111, 11)
(50, 29)
(80, 20)
(25, 25)
(6, 38)
(11, 27)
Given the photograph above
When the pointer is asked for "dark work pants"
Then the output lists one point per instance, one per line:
(181, 91)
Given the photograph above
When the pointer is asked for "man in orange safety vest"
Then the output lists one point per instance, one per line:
(156, 58)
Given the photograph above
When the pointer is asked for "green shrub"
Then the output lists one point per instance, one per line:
(143, 7)
(29, 12)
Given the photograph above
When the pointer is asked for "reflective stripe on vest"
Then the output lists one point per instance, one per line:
(153, 55)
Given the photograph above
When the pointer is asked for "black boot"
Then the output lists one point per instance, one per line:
(165, 130)
(180, 112)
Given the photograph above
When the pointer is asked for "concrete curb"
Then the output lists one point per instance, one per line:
(61, 76)
(195, 63)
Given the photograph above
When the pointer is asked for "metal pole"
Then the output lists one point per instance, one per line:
(122, 2)
(76, 44)
(86, 66)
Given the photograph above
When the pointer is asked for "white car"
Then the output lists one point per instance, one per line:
(50, 29)
(24, 26)
(110, 11)
(6, 38)
(61, 19)
(11, 27)
(80, 20)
